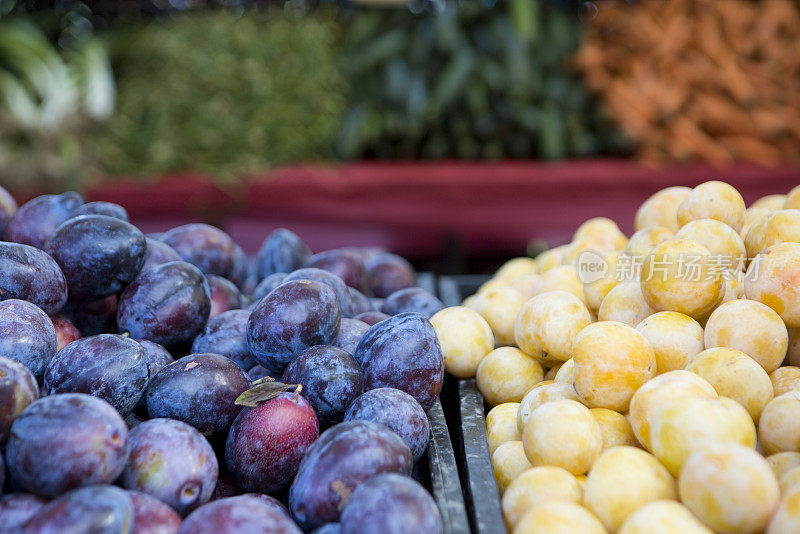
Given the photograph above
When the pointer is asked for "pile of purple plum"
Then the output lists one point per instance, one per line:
(122, 356)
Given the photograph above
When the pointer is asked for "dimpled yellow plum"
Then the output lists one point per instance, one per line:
(622, 480)
(514, 268)
(553, 371)
(684, 425)
(577, 252)
(680, 275)
(501, 425)
(625, 304)
(465, 338)
(730, 488)
(547, 324)
(508, 462)
(783, 462)
(713, 200)
(777, 227)
(789, 480)
(750, 327)
(770, 202)
(779, 426)
(674, 337)
(736, 375)
(564, 434)
(734, 285)
(559, 517)
(661, 209)
(535, 486)
(786, 519)
(597, 285)
(785, 379)
(752, 215)
(529, 285)
(603, 231)
(499, 307)
(563, 278)
(542, 394)
(506, 374)
(644, 240)
(650, 397)
(773, 278)
(565, 372)
(615, 428)
(549, 259)
(612, 360)
(722, 241)
(663, 517)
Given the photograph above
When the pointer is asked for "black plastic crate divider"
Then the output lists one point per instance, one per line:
(480, 487)
(441, 476)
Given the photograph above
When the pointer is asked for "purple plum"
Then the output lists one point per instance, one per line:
(225, 295)
(18, 389)
(36, 220)
(226, 334)
(97, 509)
(238, 515)
(152, 516)
(28, 335)
(350, 333)
(100, 207)
(282, 252)
(208, 248)
(387, 273)
(158, 253)
(412, 299)
(28, 273)
(17, 508)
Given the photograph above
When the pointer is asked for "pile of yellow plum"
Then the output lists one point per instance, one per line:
(648, 384)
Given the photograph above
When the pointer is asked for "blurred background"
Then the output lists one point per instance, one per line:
(456, 133)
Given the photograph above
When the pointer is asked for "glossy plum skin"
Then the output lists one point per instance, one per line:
(66, 331)
(358, 301)
(200, 390)
(36, 220)
(331, 380)
(412, 299)
(391, 504)
(343, 457)
(158, 253)
(168, 305)
(28, 335)
(403, 352)
(267, 285)
(238, 515)
(225, 296)
(172, 462)
(281, 252)
(97, 509)
(208, 248)
(342, 263)
(331, 280)
(100, 207)
(387, 273)
(267, 442)
(8, 207)
(226, 334)
(27, 273)
(108, 366)
(66, 441)
(99, 255)
(293, 317)
(18, 389)
(397, 410)
(94, 317)
(350, 333)
(152, 516)
(17, 508)
(372, 317)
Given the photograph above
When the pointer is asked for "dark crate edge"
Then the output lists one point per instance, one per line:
(482, 495)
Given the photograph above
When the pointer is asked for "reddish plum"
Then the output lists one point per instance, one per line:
(172, 462)
(152, 516)
(200, 390)
(343, 457)
(66, 331)
(225, 295)
(27, 273)
(95, 509)
(267, 442)
(403, 352)
(66, 441)
(372, 317)
(238, 515)
(331, 380)
(411, 509)
(168, 305)
(28, 335)
(342, 263)
(208, 248)
(387, 273)
(397, 410)
(293, 317)
(17, 508)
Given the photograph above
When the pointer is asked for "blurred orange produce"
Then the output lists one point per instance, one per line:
(716, 80)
